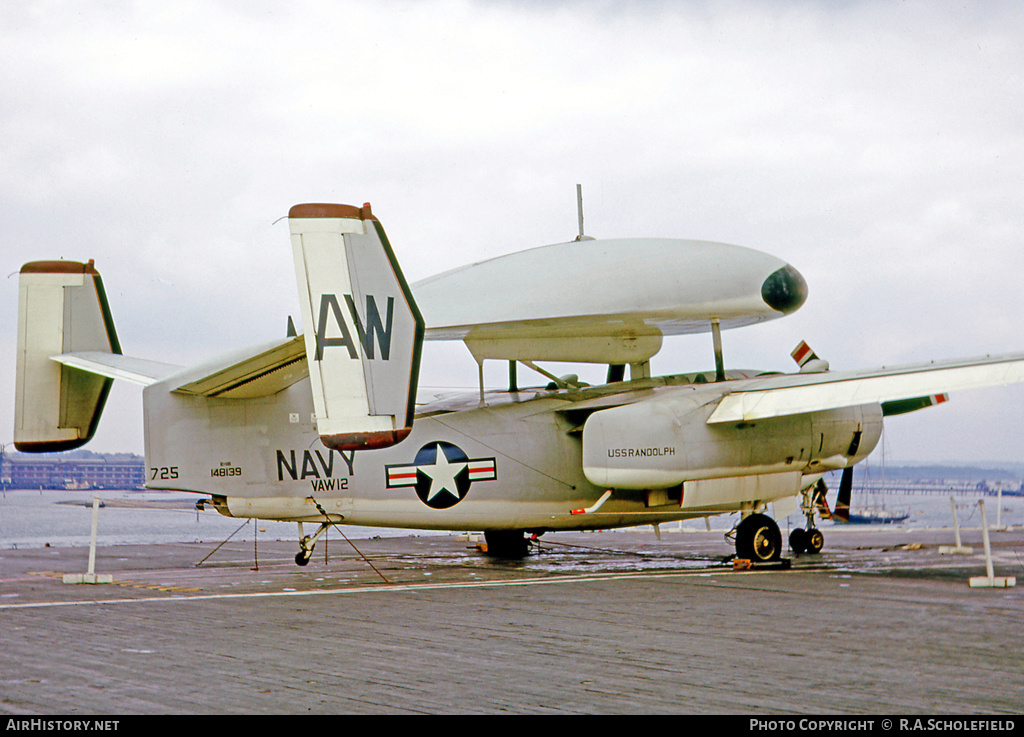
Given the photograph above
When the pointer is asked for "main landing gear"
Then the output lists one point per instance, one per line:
(758, 539)
(509, 544)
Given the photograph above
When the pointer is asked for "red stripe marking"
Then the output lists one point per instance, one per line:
(482, 471)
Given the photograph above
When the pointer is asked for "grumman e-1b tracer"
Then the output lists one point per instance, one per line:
(324, 427)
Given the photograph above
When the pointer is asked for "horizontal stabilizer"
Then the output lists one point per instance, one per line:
(62, 309)
(115, 366)
(259, 372)
(790, 394)
(363, 331)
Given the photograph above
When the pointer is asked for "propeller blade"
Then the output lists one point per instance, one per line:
(820, 501)
(842, 511)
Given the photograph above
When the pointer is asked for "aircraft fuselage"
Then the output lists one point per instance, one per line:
(519, 462)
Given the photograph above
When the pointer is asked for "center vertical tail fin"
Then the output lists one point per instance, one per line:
(363, 331)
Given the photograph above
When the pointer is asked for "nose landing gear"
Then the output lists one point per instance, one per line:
(811, 540)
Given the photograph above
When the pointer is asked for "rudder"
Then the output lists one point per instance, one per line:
(363, 331)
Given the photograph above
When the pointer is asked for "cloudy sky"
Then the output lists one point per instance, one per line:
(877, 146)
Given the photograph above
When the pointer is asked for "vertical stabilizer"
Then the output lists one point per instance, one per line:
(363, 331)
(62, 308)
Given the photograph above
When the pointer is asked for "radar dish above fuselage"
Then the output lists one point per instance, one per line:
(604, 301)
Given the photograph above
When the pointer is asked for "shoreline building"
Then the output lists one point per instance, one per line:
(79, 470)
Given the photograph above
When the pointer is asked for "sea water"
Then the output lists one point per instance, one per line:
(64, 518)
(38, 518)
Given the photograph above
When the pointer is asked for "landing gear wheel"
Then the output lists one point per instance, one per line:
(815, 541)
(302, 557)
(758, 539)
(506, 544)
(798, 540)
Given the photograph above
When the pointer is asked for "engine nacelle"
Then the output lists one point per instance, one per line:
(664, 441)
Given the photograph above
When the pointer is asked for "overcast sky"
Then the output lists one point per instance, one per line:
(876, 146)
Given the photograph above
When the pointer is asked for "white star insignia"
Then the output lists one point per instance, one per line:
(442, 475)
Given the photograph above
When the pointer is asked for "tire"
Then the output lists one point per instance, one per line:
(509, 544)
(815, 541)
(798, 540)
(758, 539)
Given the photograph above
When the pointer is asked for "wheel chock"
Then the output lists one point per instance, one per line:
(744, 564)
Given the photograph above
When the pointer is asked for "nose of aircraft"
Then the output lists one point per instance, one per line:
(785, 290)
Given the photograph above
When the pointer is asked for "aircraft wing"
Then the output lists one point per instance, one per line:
(790, 394)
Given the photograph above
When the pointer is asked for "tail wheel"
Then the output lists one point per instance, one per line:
(758, 539)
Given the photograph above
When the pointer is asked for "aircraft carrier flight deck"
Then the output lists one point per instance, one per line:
(880, 622)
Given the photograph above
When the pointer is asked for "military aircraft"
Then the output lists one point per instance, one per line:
(324, 427)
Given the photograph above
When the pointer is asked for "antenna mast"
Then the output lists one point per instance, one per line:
(579, 213)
